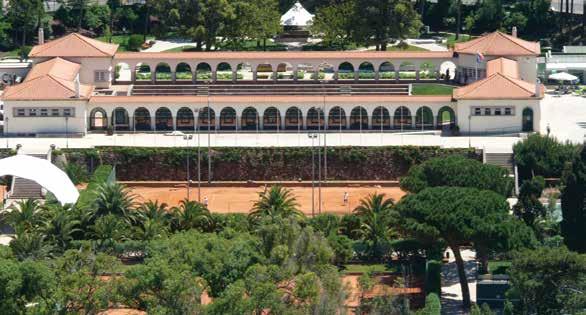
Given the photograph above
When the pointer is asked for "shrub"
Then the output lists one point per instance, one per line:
(433, 305)
(433, 277)
(135, 42)
(76, 173)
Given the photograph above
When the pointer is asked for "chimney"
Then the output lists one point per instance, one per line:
(77, 87)
(537, 88)
(514, 31)
(41, 36)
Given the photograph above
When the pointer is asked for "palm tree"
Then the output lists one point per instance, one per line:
(153, 210)
(31, 245)
(191, 214)
(152, 220)
(375, 212)
(108, 231)
(276, 202)
(113, 198)
(61, 225)
(25, 216)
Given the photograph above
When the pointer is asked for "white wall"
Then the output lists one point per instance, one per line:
(483, 124)
(45, 125)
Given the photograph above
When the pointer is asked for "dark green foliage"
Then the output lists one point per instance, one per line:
(275, 202)
(433, 277)
(242, 164)
(375, 214)
(76, 173)
(529, 207)
(457, 171)
(135, 42)
(433, 305)
(573, 197)
(542, 156)
(548, 281)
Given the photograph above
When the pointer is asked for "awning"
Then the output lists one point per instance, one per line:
(43, 173)
(297, 16)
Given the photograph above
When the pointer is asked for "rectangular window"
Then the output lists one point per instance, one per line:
(497, 111)
(44, 112)
(101, 76)
(32, 112)
(54, 111)
(20, 112)
(67, 112)
(487, 112)
(508, 111)
(477, 111)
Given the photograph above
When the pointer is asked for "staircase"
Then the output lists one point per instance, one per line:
(504, 160)
(26, 189)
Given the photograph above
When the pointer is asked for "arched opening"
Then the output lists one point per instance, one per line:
(424, 118)
(98, 119)
(122, 72)
(366, 71)
(527, 120)
(244, 71)
(183, 72)
(407, 71)
(337, 118)
(402, 118)
(120, 120)
(285, 71)
(293, 119)
(185, 119)
(315, 119)
(381, 118)
(447, 71)
(142, 119)
(264, 72)
(249, 119)
(271, 119)
(224, 72)
(386, 71)
(203, 72)
(163, 119)
(325, 71)
(304, 72)
(206, 120)
(427, 71)
(228, 118)
(446, 119)
(346, 71)
(358, 118)
(143, 72)
(163, 72)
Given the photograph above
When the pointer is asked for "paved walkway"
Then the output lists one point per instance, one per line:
(164, 45)
(451, 291)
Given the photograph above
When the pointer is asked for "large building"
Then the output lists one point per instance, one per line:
(79, 85)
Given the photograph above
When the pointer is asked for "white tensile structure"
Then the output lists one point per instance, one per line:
(79, 85)
(297, 16)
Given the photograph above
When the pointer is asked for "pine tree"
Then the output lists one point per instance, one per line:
(573, 204)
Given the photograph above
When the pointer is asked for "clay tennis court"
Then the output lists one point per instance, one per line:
(229, 199)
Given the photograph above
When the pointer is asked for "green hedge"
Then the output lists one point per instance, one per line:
(433, 277)
(278, 163)
(100, 176)
(433, 305)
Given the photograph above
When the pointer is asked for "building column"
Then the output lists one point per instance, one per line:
(437, 74)
(214, 76)
(260, 124)
(153, 77)
(336, 76)
(174, 122)
(173, 76)
(132, 76)
(153, 126)
(376, 75)
(275, 75)
(316, 73)
(234, 76)
(254, 75)
(414, 122)
(417, 75)
(194, 77)
(356, 76)
(397, 76)
(217, 122)
(295, 72)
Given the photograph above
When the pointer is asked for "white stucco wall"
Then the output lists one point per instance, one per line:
(45, 125)
(493, 124)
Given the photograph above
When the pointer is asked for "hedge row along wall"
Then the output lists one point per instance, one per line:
(242, 164)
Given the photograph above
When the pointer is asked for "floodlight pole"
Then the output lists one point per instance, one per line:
(312, 136)
(187, 138)
(209, 135)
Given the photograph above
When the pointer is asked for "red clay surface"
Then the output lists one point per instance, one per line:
(241, 199)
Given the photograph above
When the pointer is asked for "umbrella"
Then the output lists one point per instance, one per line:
(563, 76)
(43, 173)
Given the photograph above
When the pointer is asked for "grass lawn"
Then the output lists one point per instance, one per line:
(498, 267)
(463, 38)
(431, 89)
(249, 45)
(121, 40)
(405, 48)
(351, 268)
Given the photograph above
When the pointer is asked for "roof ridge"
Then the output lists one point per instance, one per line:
(516, 82)
(50, 44)
(86, 42)
(59, 81)
(480, 83)
(19, 87)
(514, 40)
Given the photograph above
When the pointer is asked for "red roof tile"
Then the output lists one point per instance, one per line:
(497, 86)
(74, 45)
(499, 44)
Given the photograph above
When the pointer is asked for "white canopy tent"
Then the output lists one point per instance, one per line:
(297, 16)
(42, 172)
(563, 76)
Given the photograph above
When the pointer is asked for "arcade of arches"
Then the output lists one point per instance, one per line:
(356, 118)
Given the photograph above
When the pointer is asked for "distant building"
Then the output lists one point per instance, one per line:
(80, 85)
(572, 60)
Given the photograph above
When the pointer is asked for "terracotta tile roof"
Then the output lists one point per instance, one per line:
(56, 67)
(496, 87)
(270, 99)
(285, 55)
(45, 87)
(74, 45)
(499, 44)
(508, 67)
